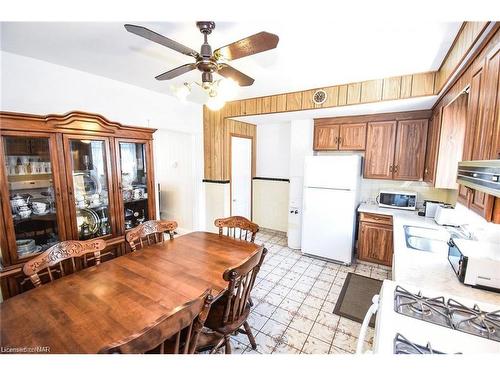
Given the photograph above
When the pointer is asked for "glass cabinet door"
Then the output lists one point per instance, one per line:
(134, 183)
(89, 163)
(33, 205)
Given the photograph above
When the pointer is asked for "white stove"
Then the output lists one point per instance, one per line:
(410, 320)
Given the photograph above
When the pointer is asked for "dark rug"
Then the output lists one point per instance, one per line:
(356, 297)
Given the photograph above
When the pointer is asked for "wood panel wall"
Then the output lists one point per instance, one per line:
(466, 38)
(390, 88)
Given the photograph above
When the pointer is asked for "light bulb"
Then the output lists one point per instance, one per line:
(227, 88)
(215, 103)
(182, 92)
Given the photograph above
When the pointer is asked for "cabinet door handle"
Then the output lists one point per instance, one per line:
(340, 140)
(396, 168)
(336, 140)
(390, 168)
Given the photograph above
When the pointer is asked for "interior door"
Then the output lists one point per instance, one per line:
(32, 206)
(241, 176)
(90, 186)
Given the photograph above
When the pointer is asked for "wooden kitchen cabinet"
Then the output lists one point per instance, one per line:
(431, 153)
(409, 155)
(352, 137)
(326, 137)
(483, 129)
(375, 242)
(339, 137)
(380, 144)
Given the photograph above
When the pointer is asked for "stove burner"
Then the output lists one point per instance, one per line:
(404, 346)
(417, 306)
(449, 313)
(475, 320)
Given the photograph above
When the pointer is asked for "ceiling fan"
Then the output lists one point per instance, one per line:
(208, 62)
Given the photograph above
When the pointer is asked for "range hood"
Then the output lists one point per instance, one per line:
(481, 175)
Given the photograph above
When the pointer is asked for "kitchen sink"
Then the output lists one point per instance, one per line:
(426, 239)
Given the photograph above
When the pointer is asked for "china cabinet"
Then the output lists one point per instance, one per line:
(69, 177)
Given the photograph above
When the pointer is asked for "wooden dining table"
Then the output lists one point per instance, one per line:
(95, 307)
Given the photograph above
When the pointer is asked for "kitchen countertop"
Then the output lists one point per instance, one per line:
(426, 270)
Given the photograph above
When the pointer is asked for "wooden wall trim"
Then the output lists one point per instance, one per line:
(466, 38)
(391, 116)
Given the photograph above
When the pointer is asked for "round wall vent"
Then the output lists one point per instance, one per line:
(319, 97)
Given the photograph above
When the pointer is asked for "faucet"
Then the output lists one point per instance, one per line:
(464, 232)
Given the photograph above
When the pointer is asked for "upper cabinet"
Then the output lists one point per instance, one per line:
(339, 137)
(71, 177)
(394, 143)
(433, 133)
(379, 156)
(326, 137)
(396, 150)
(352, 137)
(409, 156)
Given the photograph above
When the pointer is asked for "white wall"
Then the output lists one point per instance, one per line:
(33, 86)
(217, 198)
(371, 188)
(273, 150)
(270, 198)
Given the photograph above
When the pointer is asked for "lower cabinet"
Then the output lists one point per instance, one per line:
(375, 239)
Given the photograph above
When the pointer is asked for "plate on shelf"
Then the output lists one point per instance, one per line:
(86, 183)
(89, 216)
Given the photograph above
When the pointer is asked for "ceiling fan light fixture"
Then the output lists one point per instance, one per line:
(227, 88)
(182, 92)
(215, 103)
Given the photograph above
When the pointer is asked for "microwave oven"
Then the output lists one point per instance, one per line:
(403, 200)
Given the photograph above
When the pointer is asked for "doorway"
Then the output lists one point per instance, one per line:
(241, 176)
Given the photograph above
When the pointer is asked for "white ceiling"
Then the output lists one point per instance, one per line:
(310, 54)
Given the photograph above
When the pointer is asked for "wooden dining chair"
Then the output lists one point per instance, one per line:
(175, 333)
(150, 232)
(230, 312)
(57, 255)
(237, 227)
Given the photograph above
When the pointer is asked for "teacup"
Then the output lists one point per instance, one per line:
(39, 207)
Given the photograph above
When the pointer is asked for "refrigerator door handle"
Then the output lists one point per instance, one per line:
(326, 188)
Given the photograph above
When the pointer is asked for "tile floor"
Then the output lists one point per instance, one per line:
(294, 297)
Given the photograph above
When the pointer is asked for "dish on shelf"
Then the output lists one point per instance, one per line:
(86, 183)
(25, 245)
(89, 216)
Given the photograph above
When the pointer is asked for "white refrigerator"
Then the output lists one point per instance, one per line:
(331, 198)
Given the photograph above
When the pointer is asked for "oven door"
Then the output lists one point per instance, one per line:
(457, 260)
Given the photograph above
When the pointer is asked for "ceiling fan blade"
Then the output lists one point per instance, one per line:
(229, 72)
(251, 45)
(176, 72)
(160, 39)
